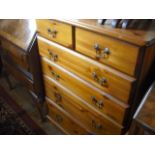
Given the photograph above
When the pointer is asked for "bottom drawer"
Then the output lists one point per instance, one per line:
(93, 121)
(63, 121)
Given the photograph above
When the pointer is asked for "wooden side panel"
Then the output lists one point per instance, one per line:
(28, 83)
(145, 78)
(149, 59)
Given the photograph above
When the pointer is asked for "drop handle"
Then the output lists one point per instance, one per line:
(97, 103)
(59, 118)
(106, 52)
(53, 32)
(96, 125)
(55, 75)
(97, 47)
(94, 75)
(54, 57)
(58, 97)
(102, 81)
(101, 53)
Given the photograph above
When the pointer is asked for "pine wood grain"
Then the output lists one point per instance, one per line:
(63, 120)
(111, 107)
(63, 31)
(117, 84)
(122, 56)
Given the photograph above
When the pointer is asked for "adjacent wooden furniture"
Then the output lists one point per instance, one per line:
(144, 118)
(93, 74)
(20, 56)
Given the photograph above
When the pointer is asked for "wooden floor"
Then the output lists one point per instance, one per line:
(23, 98)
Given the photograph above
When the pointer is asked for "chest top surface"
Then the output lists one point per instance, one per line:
(141, 35)
(18, 31)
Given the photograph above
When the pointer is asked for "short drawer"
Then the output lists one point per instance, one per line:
(98, 99)
(55, 31)
(112, 52)
(18, 56)
(95, 122)
(64, 121)
(105, 78)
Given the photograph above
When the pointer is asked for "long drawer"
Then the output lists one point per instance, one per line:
(95, 122)
(55, 31)
(109, 80)
(98, 99)
(63, 120)
(106, 50)
(15, 54)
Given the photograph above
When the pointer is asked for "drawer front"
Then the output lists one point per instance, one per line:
(109, 80)
(19, 57)
(55, 31)
(95, 122)
(100, 100)
(62, 120)
(114, 53)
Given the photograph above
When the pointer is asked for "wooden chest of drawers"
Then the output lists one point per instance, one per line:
(93, 75)
(20, 56)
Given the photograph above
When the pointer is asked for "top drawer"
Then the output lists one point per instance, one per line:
(114, 53)
(55, 31)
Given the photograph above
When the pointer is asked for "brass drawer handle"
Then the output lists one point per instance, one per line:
(97, 103)
(94, 75)
(56, 76)
(102, 81)
(54, 57)
(106, 52)
(58, 97)
(96, 125)
(101, 53)
(97, 47)
(59, 118)
(53, 32)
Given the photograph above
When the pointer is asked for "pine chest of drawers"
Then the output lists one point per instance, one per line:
(93, 75)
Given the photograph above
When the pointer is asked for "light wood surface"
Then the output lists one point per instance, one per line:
(101, 71)
(144, 35)
(55, 31)
(63, 120)
(109, 106)
(117, 84)
(80, 110)
(122, 56)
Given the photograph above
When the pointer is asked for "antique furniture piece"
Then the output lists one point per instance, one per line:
(20, 56)
(93, 74)
(144, 118)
